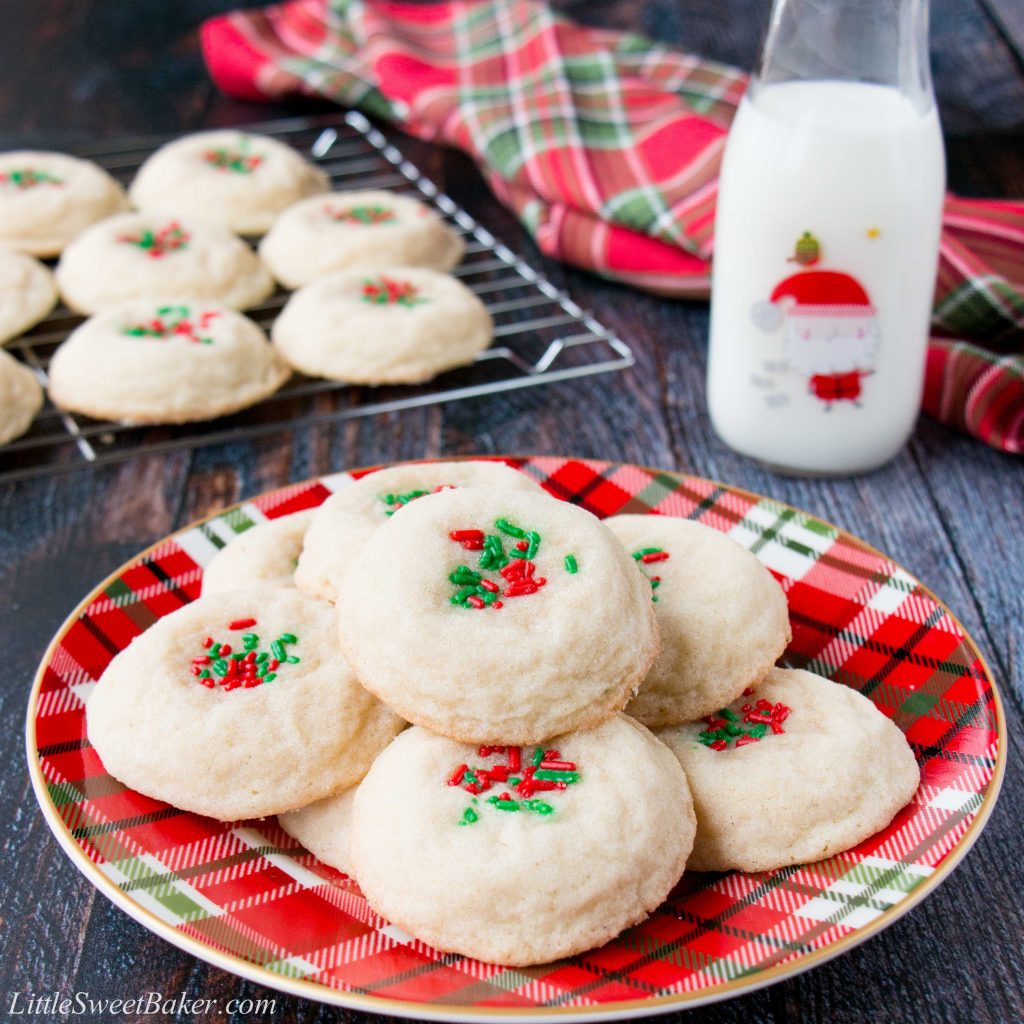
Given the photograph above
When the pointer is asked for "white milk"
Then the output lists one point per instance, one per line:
(828, 377)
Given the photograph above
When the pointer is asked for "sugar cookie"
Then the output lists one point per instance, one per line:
(493, 873)
(229, 177)
(136, 255)
(238, 705)
(47, 199)
(262, 556)
(801, 770)
(357, 229)
(348, 518)
(21, 397)
(147, 361)
(324, 828)
(27, 293)
(403, 325)
(497, 616)
(723, 618)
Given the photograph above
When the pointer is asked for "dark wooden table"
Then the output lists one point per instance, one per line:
(948, 508)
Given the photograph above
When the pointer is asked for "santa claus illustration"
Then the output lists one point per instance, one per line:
(831, 330)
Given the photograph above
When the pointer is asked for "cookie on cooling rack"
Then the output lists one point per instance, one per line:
(801, 770)
(516, 856)
(723, 618)
(347, 519)
(324, 828)
(238, 705)
(27, 292)
(47, 199)
(400, 325)
(151, 361)
(497, 616)
(263, 556)
(348, 229)
(138, 254)
(21, 397)
(233, 178)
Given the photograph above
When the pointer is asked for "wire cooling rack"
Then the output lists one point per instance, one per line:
(541, 335)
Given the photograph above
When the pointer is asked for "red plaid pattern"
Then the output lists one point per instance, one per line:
(607, 147)
(246, 891)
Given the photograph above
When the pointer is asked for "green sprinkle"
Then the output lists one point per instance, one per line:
(538, 806)
(514, 781)
(250, 639)
(214, 650)
(461, 596)
(289, 638)
(269, 677)
(571, 565)
(263, 657)
(204, 674)
(238, 657)
(534, 539)
(729, 715)
(509, 529)
(646, 551)
(292, 660)
(471, 775)
(732, 730)
(504, 805)
(538, 756)
(220, 667)
(758, 730)
(547, 775)
(468, 816)
(277, 650)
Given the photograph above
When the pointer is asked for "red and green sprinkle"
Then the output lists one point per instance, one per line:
(516, 781)
(237, 161)
(174, 322)
(651, 556)
(368, 215)
(500, 573)
(168, 239)
(221, 665)
(725, 728)
(395, 501)
(386, 291)
(27, 178)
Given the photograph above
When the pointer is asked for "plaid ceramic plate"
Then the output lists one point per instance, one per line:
(246, 898)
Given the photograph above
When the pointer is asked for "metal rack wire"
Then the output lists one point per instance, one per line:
(541, 335)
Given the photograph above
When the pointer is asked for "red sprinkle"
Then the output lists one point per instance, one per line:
(488, 585)
(456, 776)
(241, 623)
(477, 602)
(471, 540)
(207, 641)
(514, 759)
(558, 766)
(656, 556)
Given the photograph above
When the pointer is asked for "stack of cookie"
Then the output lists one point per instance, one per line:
(511, 629)
(164, 286)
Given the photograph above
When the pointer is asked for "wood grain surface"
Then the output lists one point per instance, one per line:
(948, 508)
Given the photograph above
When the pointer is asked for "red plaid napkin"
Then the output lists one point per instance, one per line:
(607, 146)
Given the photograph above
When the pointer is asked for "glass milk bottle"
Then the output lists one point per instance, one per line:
(826, 239)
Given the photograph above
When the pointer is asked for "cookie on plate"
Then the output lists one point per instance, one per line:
(238, 705)
(349, 517)
(723, 618)
(325, 829)
(263, 556)
(228, 177)
(801, 770)
(27, 292)
(21, 397)
(497, 616)
(470, 853)
(402, 325)
(151, 361)
(134, 255)
(47, 199)
(357, 229)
